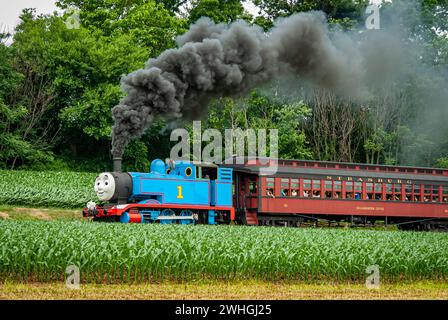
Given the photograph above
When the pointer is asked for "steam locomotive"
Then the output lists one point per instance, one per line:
(299, 192)
(172, 192)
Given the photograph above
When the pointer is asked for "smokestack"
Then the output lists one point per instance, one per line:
(117, 164)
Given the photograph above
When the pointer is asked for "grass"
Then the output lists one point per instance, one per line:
(116, 253)
(210, 290)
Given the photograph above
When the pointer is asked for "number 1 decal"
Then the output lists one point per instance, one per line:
(179, 192)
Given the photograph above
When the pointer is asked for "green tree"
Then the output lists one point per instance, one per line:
(293, 143)
(260, 111)
(442, 162)
(345, 12)
(218, 10)
(148, 23)
(75, 75)
(16, 148)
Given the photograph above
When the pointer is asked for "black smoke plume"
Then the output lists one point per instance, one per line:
(216, 60)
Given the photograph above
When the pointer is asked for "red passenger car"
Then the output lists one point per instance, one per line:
(303, 191)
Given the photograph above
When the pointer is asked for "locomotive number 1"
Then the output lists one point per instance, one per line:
(179, 192)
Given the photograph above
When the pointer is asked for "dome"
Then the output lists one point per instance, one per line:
(157, 166)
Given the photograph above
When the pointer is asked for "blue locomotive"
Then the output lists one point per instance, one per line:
(172, 192)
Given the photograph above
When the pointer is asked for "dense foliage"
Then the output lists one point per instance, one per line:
(127, 253)
(46, 189)
(59, 83)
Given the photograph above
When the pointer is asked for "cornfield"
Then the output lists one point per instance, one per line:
(115, 253)
(46, 189)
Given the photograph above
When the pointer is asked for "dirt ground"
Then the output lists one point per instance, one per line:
(20, 213)
(225, 291)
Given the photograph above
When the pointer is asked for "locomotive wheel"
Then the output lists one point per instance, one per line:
(185, 213)
(165, 213)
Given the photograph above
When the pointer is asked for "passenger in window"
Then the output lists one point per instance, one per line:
(417, 198)
(396, 198)
(253, 188)
(349, 195)
(445, 199)
(406, 198)
(306, 194)
(357, 196)
(316, 194)
(284, 192)
(270, 192)
(425, 199)
(294, 193)
(336, 195)
(378, 197)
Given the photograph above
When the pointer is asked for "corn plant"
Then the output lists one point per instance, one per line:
(46, 189)
(40, 251)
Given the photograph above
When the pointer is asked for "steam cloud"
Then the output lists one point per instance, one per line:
(215, 60)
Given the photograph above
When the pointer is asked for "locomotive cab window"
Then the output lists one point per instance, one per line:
(209, 173)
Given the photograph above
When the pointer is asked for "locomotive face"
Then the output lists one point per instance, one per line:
(105, 186)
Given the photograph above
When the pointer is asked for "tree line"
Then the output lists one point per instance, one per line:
(58, 84)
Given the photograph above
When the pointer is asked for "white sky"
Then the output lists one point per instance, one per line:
(11, 9)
